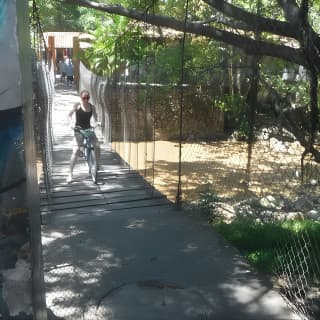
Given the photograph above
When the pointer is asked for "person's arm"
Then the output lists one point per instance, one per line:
(95, 115)
(70, 116)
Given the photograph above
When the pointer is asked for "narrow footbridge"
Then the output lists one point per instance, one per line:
(118, 186)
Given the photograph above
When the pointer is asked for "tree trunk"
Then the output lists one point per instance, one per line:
(252, 101)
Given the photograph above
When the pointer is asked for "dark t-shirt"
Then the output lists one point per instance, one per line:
(83, 117)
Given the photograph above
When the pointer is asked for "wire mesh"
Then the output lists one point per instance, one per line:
(298, 272)
(44, 92)
(43, 82)
(143, 127)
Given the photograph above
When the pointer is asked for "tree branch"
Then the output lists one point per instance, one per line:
(256, 22)
(247, 44)
(239, 25)
(291, 10)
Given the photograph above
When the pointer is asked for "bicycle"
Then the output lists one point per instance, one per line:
(88, 151)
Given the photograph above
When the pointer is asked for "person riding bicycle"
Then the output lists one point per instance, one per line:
(83, 112)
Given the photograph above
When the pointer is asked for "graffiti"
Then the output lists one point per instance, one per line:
(12, 165)
(3, 8)
(10, 84)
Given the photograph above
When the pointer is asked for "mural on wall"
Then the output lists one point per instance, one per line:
(10, 80)
(12, 166)
(11, 156)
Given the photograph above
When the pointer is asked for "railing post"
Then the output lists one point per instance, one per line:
(76, 61)
(32, 187)
(52, 53)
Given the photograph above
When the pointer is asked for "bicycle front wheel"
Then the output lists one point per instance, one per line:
(92, 163)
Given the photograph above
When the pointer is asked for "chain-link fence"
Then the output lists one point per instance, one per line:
(185, 145)
(44, 91)
(298, 273)
(43, 83)
(142, 122)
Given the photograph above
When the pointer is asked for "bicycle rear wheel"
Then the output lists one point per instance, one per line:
(92, 163)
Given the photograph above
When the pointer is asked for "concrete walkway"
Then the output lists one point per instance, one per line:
(119, 250)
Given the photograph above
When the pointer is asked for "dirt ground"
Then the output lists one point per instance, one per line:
(223, 167)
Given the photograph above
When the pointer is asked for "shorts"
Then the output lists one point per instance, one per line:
(79, 139)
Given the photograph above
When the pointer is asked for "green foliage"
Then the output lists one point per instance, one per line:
(169, 58)
(208, 199)
(314, 15)
(259, 242)
(266, 8)
(120, 42)
(101, 56)
(55, 17)
(91, 19)
(272, 73)
(117, 44)
(236, 115)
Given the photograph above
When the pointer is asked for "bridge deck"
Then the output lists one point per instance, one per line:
(118, 187)
(118, 250)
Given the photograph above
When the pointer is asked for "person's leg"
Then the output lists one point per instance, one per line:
(73, 159)
(74, 156)
(97, 150)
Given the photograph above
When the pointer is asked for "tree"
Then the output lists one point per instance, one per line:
(290, 36)
(57, 17)
(296, 28)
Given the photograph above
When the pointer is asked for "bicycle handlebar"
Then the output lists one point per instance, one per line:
(78, 128)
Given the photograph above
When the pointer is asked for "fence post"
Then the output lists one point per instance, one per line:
(52, 53)
(32, 187)
(76, 60)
